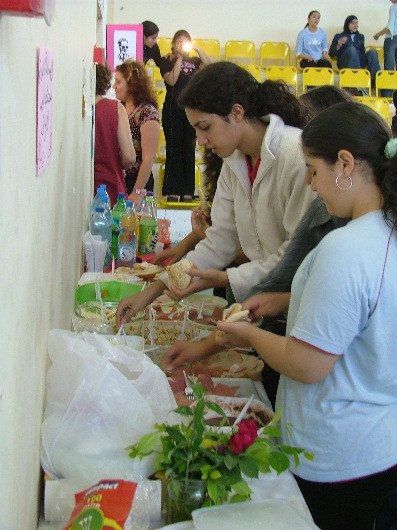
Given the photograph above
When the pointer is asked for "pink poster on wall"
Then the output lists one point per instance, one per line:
(124, 41)
(45, 69)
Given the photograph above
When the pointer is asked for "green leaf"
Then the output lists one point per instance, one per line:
(216, 408)
(238, 498)
(278, 461)
(231, 460)
(184, 411)
(249, 467)
(242, 488)
(271, 430)
(212, 488)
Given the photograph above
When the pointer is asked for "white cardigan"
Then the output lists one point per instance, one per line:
(260, 219)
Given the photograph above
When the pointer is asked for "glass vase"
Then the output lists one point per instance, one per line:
(184, 496)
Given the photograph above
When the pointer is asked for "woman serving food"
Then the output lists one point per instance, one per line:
(260, 195)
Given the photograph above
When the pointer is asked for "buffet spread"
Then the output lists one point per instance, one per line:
(106, 388)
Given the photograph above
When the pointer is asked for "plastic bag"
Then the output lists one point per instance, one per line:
(100, 399)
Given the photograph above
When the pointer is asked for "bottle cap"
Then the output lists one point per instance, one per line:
(99, 209)
(128, 203)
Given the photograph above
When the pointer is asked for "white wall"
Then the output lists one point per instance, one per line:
(256, 20)
(42, 222)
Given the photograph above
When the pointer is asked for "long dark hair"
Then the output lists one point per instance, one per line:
(218, 86)
(149, 28)
(362, 132)
(310, 14)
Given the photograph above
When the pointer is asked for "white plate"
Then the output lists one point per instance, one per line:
(184, 525)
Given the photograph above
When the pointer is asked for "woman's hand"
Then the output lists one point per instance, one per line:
(267, 305)
(232, 335)
(341, 42)
(199, 223)
(174, 254)
(129, 306)
(183, 352)
(206, 279)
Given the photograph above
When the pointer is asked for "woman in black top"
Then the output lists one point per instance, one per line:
(176, 69)
(151, 49)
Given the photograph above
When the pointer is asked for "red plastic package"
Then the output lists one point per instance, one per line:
(104, 506)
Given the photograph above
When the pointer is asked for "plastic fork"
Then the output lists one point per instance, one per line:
(188, 389)
(200, 313)
(182, 335)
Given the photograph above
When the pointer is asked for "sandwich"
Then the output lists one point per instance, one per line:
(235, 313)
(177, 275)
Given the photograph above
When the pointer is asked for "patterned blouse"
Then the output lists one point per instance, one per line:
(142, 114)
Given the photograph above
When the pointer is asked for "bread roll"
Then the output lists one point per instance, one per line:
(236, 313)
(177, 276)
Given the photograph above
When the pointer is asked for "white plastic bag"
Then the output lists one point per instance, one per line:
(100, 399)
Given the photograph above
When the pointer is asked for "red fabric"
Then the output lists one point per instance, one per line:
(252, 172)
(107, 163)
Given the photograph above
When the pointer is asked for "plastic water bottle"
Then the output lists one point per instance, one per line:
(148, 229)
(117, 213)
(97, 199)
(105, 204)
(101, 227)
(127, 238)
(151, 194)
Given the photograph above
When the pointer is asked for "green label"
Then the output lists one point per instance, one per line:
(89, 519)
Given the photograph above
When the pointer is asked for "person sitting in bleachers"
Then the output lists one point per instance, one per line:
(311, 45)
(349, 48)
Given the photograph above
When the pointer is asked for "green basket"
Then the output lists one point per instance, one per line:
(110, 291)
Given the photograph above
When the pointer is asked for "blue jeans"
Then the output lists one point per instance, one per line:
(351, 58)
(390, 52)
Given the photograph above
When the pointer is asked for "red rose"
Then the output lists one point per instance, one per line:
(244, 437)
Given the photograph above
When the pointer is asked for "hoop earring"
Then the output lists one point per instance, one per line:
(341, 187)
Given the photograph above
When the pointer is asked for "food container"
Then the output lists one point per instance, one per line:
(110, 291)
(165, 334)
(88, 317)
(277, 514)
(232, 406)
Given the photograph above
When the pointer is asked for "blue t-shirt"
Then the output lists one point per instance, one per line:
(313, 44)
(344, 302)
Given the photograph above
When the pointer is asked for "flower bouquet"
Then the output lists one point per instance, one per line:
(214, 461)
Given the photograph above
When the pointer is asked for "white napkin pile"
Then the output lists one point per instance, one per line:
(95, 251)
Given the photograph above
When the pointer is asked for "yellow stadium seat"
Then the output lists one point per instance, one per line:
(380, 105)
(211, 47)
(355, 78)
(316, 77)
(385, 80)
(253, 69)
(240, 51)
(379, 51)
(182, 205)
(160, 155)
(157, 78)
(165, 44)
(274, 53)
(160, 95)
(289, 74)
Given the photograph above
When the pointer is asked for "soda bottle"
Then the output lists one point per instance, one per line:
(101, 227)
(117, 213)
(148, 229)
(127, 238)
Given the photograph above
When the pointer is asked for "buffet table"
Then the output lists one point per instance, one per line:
(59, 494)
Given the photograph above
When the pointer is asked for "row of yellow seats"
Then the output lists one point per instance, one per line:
(275, 52)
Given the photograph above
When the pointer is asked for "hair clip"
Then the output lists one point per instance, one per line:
(391, 148)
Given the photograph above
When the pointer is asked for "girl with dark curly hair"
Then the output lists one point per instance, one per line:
(134, 87)
(260, 195)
